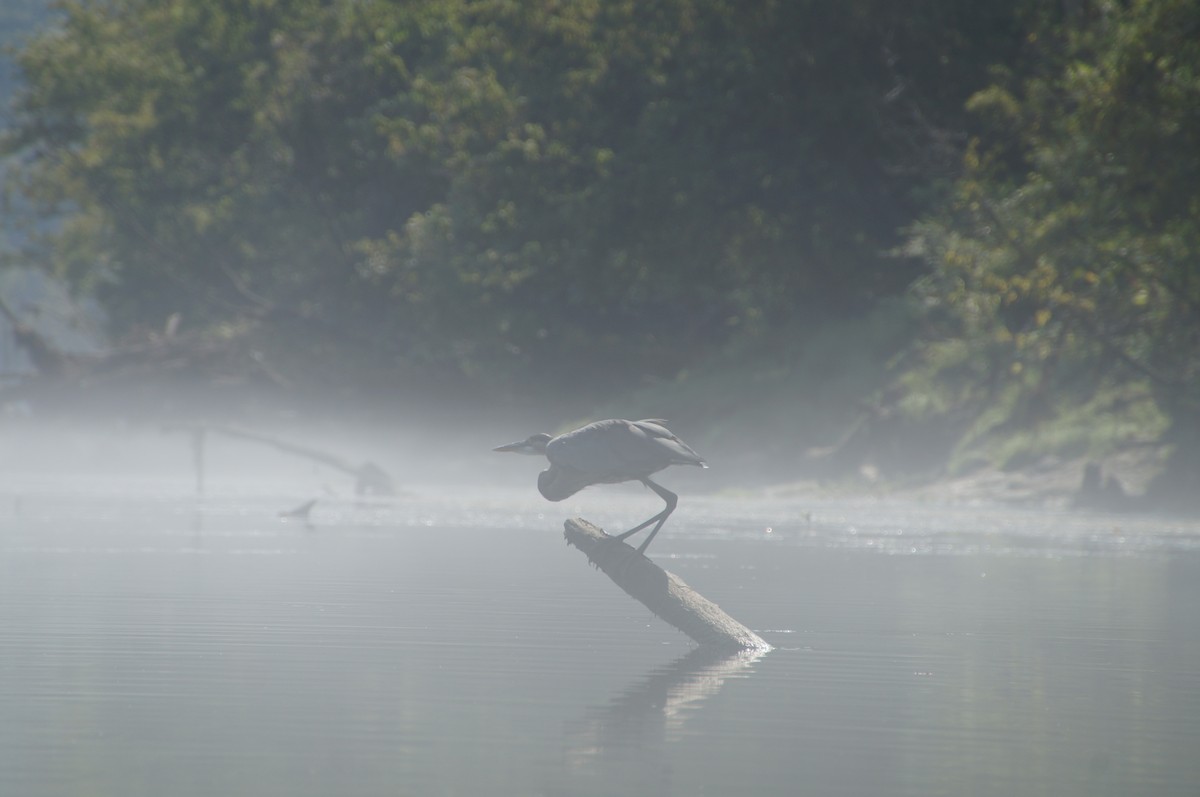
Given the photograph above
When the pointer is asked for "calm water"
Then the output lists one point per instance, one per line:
(154, 645)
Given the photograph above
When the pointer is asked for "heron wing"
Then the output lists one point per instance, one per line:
(681, 452)
(618, 450)
(590, 449)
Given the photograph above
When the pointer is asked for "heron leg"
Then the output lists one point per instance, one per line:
(671, 498)
(660, 516)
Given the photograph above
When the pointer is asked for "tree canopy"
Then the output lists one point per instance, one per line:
(589, 195)
(593, 191)
(1068, 258)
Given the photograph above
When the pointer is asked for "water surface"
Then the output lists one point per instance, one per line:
(154, 644)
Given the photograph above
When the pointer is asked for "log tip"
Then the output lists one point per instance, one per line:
(577, 531)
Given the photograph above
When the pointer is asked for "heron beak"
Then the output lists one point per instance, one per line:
(520, 447)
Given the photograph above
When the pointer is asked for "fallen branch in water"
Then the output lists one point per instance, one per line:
(661, 592)
(369, 478)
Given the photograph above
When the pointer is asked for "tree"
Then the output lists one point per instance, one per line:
(574, 195)
(1067, 261)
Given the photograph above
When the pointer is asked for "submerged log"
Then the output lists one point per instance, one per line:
(661, 592)
(369, 478)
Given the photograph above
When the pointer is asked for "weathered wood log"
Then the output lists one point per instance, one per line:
(661, 592)
(369, 478)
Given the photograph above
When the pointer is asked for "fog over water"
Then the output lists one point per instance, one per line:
(445, 641)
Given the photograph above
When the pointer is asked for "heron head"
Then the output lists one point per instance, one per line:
(535, 444)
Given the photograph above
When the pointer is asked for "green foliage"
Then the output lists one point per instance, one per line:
(597, 197)
(1068, 258)
(1111, 419)
(221, 159)
(571, 194)
(19, 19)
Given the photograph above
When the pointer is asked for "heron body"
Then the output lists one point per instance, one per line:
(608, 452)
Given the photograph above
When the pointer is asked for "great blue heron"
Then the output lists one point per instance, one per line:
(607, 452)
